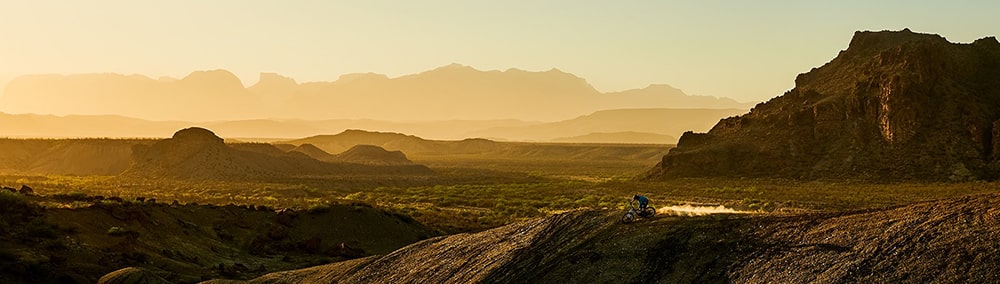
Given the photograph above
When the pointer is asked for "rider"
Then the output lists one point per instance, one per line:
(642, 201)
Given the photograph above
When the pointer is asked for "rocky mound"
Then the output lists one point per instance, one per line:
(370, 154)
(197, 153)
(359, 154)
(893, 105)
(952, 241)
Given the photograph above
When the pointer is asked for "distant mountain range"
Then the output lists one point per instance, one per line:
(452, 92)
(618, 137)
(662, 122)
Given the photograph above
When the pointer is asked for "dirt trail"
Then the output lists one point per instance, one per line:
(953, 240)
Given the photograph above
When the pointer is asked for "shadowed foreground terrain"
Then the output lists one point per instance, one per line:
(184, 243)
(952, 240)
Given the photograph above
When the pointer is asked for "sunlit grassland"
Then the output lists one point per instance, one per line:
(472, 195)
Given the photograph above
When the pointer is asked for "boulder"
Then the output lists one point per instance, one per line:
(26, 190)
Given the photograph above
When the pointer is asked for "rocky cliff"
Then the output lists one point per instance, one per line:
(893, 105)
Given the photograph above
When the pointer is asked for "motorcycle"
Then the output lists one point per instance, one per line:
(632, 213)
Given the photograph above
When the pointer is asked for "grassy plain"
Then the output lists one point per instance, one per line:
(469, 194)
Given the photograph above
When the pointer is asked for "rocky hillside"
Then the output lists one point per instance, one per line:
(197, 153)
(893, 105)
(953, 241)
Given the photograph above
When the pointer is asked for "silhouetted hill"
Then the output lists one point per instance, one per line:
(893, 105)
(202, 95)
(446, 93)
(418, 149)
(343, 141)
(673, 122)
(312, 151)
(370, 154)
(620, 137)
(196, 153)
(951, 241)
(105, 157)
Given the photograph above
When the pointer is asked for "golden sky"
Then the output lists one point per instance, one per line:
(747, 50)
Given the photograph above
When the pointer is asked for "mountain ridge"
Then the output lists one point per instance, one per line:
(671, 122)
(444, 93)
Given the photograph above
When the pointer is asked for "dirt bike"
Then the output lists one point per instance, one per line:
(633, 213)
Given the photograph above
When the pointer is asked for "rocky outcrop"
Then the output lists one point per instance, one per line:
(26, 190)
(893, 105)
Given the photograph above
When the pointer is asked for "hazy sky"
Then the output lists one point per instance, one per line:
(748, 50)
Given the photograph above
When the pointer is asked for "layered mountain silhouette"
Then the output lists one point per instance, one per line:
(619, 137)
(662, 121)
(893, 105)
(355, 143)
(197, 153)
(446, 93)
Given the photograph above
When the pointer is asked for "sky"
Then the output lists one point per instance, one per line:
(746, 50)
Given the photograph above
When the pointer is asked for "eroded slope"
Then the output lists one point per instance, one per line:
(954, 240)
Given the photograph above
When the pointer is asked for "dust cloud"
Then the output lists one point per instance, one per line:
(689, 210)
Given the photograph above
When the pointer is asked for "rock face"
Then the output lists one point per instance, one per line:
(893, 105)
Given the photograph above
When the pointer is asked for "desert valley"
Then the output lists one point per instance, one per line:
(875, 161)
(473, 142)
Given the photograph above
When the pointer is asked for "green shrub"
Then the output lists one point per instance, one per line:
(117, 231)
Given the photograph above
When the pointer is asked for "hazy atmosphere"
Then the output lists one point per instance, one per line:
(499, 142)
(742, 50)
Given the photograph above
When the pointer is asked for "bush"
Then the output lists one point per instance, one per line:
(117, 231)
